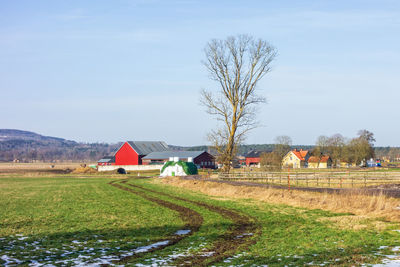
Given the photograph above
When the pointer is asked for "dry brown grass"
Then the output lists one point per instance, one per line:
(36, 169)
(354, 222)
(38, 166)
(81, 170)
(355, 202)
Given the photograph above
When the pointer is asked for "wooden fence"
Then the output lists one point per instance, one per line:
(339, 179)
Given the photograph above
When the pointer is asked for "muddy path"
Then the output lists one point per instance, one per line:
(193, 220)
(239, 236)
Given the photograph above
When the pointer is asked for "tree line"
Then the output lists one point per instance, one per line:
(353, 151)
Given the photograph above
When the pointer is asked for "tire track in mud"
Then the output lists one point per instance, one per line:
(192, 218)
(238, 237)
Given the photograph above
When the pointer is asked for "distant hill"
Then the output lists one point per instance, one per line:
(28, 146)
(12, 134)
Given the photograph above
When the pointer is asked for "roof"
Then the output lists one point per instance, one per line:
(317, 159)
(180, 154)
(256, 153)
(108, 159)
(146, 147)
(301, 154)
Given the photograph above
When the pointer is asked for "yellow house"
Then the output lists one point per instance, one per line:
(322, 162)
(344, 164)
(296, 159)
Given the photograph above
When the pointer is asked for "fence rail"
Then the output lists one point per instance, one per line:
(317, 179)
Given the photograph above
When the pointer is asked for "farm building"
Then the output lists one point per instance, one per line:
(253, 158)
(129, 156)
(132, 152)
(201, 159)
(345, 164)
(296, 159)
(106, 161)
(322, 162)
(176, 167)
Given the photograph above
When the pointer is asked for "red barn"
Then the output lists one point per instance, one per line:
(132, 152)
(253, 157)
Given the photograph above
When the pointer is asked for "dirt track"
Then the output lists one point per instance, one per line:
(239, 236)
(192, 219)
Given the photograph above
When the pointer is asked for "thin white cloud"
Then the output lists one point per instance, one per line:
(75, 14)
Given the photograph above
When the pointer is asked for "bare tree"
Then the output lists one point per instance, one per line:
(282, 146)
(367, 136)
(335, 147)
(237, 64)
(321, 146)
(270, 161)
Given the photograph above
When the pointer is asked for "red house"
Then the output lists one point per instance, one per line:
(132, 152)
(253, 157)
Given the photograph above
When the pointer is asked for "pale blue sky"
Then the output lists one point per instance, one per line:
(107, 71)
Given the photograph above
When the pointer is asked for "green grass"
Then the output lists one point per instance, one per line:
(51, 213)
(44, 219)
(296, 236)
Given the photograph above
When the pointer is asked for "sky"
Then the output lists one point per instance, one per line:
(110, 71)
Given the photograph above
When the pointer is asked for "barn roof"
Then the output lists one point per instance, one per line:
(256, 153)
(316, 159)
(180, 154)
(108, 159)
(146, 147)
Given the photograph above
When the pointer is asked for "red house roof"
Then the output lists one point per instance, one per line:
(316, 159)
(301, 154)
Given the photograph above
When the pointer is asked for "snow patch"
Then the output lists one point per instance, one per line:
(182, 232)
(152, 246)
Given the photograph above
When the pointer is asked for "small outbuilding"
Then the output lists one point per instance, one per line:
(175, 167)
(106, 161)
(322, 162)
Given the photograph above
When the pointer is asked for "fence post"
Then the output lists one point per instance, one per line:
(348, 175)
(365, 179)
(280, 177)
(341, 181)
(288, 177)
(307, 180)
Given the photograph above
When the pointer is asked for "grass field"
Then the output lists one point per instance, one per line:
(78, 220)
